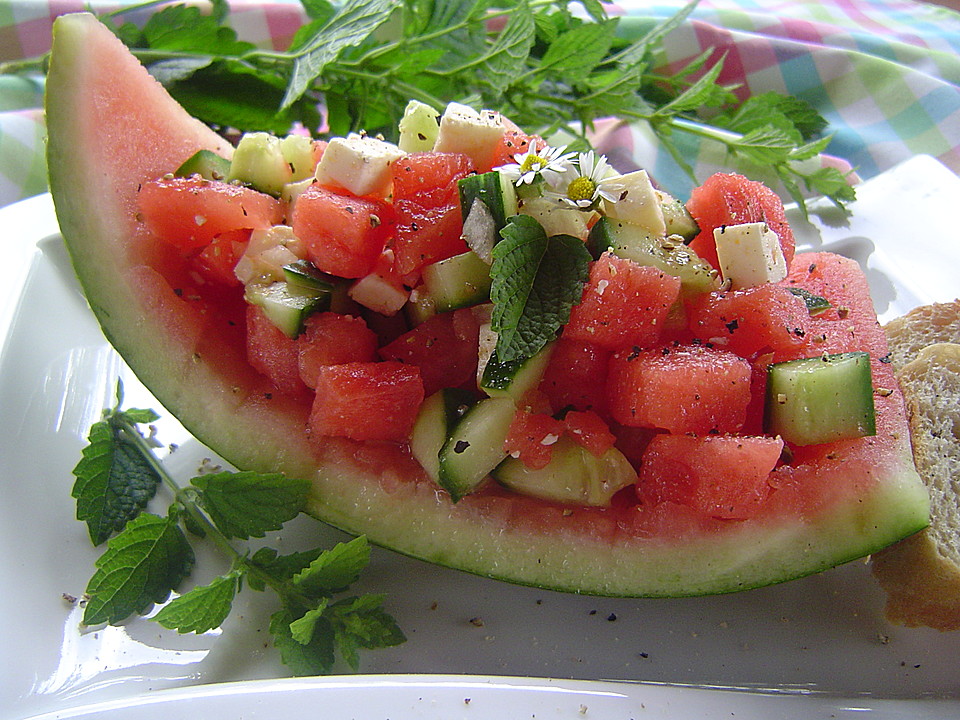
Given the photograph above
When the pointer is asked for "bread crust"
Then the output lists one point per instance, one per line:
(922, 326)
(921, 574)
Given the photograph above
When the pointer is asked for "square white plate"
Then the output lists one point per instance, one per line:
(821, 642)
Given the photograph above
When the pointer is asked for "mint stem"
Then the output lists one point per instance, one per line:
(284, 589)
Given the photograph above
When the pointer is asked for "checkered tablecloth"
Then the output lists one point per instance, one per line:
(885, 73)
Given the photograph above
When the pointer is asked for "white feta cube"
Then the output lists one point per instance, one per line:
(358, 163)
(464, 130)
(749, 254)
(637, 202)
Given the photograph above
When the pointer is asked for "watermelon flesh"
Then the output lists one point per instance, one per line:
(113, 128)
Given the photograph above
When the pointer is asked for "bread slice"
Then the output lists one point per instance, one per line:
(921, 574)
(925, 325)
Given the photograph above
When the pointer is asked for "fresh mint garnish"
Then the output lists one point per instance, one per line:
(536, 280)
(149, 557)
(114, 480)
(545, 65)
(247, 504)
(142, 564)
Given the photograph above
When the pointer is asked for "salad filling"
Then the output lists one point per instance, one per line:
(524, 319)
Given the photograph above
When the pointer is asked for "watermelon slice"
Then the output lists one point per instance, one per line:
(112, 128)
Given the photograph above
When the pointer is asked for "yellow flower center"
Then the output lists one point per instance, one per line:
(532, 163)
(583, 188)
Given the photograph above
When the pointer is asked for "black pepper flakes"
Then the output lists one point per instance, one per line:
(461, 446)
(732, 326)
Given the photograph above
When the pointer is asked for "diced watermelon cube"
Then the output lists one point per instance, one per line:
(189, 212)
(683, 389)
(720, 475)
(333, 339)
(731, 199)
(427, 202)
(576, 376)
(272, 352)
(217, 260)
(589, 430)
(343, 235)
(531, 437)
(366, 401)
(443, 347)
(623, 305)
(763, 319)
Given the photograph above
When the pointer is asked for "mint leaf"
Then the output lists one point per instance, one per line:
(282, 567)
(114, 482)
(303, 628)
(230, 94)
(334, 569)
(351, 26)
(575, 53)
(201, 609)
(361, 623)
(507, 58)
(248, 504)
(315, 657)
(139, 568)
(184, 28)
(536, 280)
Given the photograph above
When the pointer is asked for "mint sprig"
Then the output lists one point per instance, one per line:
(536, 280)
(543, 63)
(148, 556)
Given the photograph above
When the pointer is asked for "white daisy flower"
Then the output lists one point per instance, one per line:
(592, 179)
(549, 163)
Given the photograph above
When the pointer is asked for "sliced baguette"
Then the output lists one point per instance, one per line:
(922, 326)
(921, 574)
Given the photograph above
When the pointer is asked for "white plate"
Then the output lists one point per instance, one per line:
(815, 647)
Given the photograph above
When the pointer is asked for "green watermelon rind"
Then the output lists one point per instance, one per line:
(95, 213)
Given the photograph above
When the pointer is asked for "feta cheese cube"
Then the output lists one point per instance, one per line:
(637, 202)
(464, 130)
(749, 254)
(358, 163)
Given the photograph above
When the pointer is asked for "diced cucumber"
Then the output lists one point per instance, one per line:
(286, 305)
(514, 378)
(297, 150)
(304, 274)
(820, 399)
(677, 218)
(475, 447)
(438, 415)
(669, 254)
(420, 306)
(418, 127)
(206, 164)
(573, 475)
(493, 190)
(258, 161)
(557, 217)
(458, 281)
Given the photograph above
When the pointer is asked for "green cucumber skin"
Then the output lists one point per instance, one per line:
(515, 377)
(438, 416)
(489, 187)
(821, 399)
(457, 282)
(475, 446)
(206, 164)
(304, 274)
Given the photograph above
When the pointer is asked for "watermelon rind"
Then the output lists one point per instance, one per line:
(111, 127)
